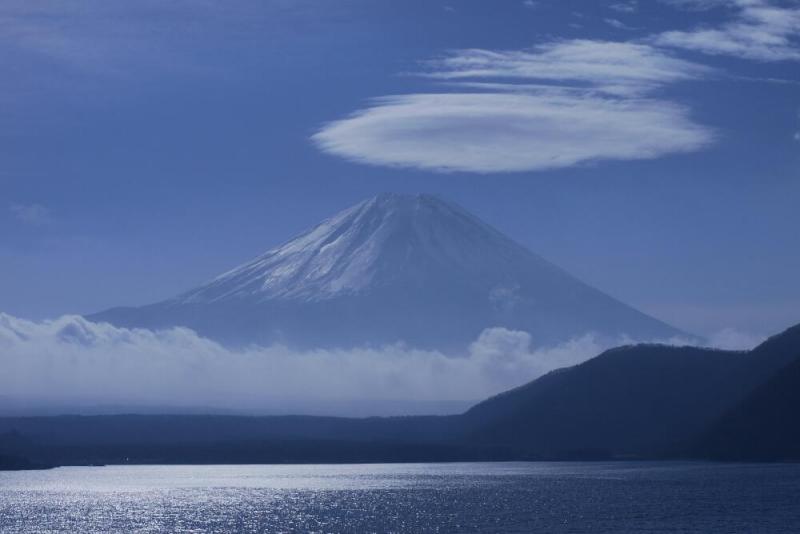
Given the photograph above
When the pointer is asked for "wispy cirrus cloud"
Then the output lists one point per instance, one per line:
(621, 68)
(629, 6)
(760, 30)
(618, 24)
(555, 105)
(95, 37)
(698, 5)
(33, 214)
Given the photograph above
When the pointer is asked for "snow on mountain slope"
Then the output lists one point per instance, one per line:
(384, 239)
(395, 268)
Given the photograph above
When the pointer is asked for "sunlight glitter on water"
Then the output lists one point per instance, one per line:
(508, 497)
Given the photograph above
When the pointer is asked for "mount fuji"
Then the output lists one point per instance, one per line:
(413, 269)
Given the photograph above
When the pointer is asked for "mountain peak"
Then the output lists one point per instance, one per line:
(388, 204)
(387, 238)
(419, 205)
(407, 201)
(395, 267)
(400, 199)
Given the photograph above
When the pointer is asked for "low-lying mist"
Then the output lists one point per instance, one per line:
(71, 364)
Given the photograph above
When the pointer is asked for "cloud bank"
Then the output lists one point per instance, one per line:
(556, 105)
(71, 361)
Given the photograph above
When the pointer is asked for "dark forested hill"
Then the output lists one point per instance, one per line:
(762, 427)
(637, 400)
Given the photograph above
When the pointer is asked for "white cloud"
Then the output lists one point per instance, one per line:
(510, 132)
(698, 5)
(618, 24)
(97, 37)
(732, 339)
(70, 360)
(630, 6)
(618, 68)
(33, 214)
(761, 30)
(76, 45)
(568, 102)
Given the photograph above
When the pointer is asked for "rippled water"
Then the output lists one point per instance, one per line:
(510, 497)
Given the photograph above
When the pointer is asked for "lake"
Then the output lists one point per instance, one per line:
(506, 497)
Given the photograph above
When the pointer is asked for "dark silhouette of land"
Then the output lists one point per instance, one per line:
(643, 401)
(762, 427)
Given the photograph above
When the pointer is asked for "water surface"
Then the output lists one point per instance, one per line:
(507, 497)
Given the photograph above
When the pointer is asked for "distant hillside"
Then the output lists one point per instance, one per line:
(638, 400)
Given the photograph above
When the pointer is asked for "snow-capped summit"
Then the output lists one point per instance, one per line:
(390, 238)
(394, 268)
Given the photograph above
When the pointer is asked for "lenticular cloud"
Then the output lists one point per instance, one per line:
(555, 105)
(502, 132)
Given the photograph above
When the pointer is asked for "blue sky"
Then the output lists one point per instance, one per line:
(650, 148)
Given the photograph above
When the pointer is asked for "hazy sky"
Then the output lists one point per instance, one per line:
(650, 148)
